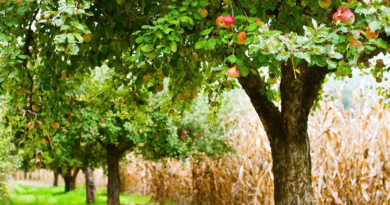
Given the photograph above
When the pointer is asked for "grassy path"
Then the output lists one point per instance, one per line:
(40, 193)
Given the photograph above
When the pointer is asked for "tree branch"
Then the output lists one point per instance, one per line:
(268, 112)
(127, 145)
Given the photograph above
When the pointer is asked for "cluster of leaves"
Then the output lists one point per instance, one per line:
(9, 159)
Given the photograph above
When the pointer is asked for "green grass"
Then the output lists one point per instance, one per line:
(28, 195)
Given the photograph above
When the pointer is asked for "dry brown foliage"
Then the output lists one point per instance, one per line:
(350, 162)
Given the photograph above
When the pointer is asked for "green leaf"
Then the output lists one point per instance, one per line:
(232, 58)
(302, 55)
(218, 68)
(282, 57)
(374, 25)
(173, 46)
(139, 39)
(251, 27)
(387, 30)
(331, 64)
(200, 43)
(211, 44)
(380, 43)
(64, 27)
(262, 58)
(73, 48)
(314, 22)
(244, 71)
(270, 95)
(147, 48)
(207, 31)
(194, 3)
(71, 38)
(204, 3)
(79, 37)
(60, 38)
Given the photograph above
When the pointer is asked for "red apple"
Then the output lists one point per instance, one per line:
(84, 135)
(102, 120)
(157, 137)
(87, 37)
(203, 12)
(91, 131)
(147, 77)
(367, 64)
(195, 55)
(355, 44)
(272, 81)
(38, 154)
(55, 125)
(182, 137)
(38, 163)
(229, 21)
(220, 21)
(233, 72)
(181, 97)
(337, 15)
(184, 132)
(159, 88)
(371, 35)
(83, 144)
(201, 137)
(20, 108)
(241, 37)
(379, 64)
(348, 17)
(122, 101)
(258, 20)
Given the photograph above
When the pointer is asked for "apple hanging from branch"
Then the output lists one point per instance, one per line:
(233, 72)
(324, 3)
(344, 15)
(228, 21)
(241, 37)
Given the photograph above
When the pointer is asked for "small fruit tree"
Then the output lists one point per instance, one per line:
(201, 46)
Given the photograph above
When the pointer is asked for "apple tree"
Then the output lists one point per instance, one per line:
(77, 148)
(280, 52)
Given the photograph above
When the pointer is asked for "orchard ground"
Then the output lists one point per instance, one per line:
(40, 192)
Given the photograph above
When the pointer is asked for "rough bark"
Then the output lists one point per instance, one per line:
(70, 178)
(287, 129)
(56, 173)
(89, 185)
(114, 153)
(113, 175)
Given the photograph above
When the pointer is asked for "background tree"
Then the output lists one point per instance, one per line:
(197, 44)
(79, 147)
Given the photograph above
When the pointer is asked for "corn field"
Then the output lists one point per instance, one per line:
(350, 152)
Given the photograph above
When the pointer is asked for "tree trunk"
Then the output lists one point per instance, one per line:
(113, 175)
(287, 129)
(70, 180)
(89, 185)
(25, 174)
(55, 183)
